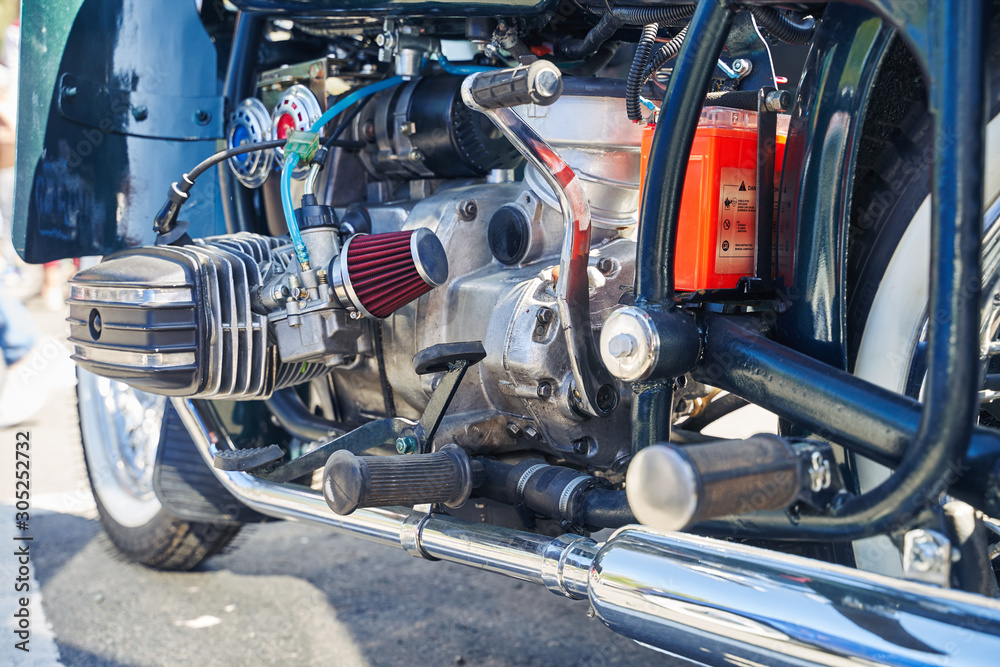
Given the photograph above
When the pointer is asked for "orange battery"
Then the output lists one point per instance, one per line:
(717, 231)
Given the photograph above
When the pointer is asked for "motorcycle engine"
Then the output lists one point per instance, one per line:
(458, 242)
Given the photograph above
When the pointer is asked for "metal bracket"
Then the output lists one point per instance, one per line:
(454, 358)
(927, 557)
(767, 128)
(748, 53)
(140, 114)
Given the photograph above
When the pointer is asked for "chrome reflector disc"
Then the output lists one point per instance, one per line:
(250, 124)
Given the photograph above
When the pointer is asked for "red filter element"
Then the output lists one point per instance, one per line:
(383, 272)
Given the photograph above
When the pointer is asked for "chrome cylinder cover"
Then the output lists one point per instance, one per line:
(179, 321)
(583, 126)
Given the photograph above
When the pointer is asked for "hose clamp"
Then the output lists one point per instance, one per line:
(409, 535)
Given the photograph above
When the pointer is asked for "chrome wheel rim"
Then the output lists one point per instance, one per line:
(120, 428)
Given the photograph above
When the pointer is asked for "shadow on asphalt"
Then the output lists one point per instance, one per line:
(306, 592)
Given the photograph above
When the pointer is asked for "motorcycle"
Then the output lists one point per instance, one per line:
(471, 279)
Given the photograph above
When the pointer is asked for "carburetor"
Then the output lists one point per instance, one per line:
(318, 312)
(235, 316)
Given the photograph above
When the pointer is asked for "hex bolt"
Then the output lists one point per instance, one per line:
(531, 432)
(925, 555)
(544, 390)
(623, 345)
(69, 91)
(742, 66)
(820, 475)
(544, 315)
(540, 330)
(778, 100)
(621, 464)
(406, 444)
(408, 128)
(415, 155)
(280, 293)
(140, 112)
(468, 209)
(606, 265)
(581, 446)
(513, 430)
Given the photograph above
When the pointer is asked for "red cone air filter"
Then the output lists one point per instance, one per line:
(381, 273)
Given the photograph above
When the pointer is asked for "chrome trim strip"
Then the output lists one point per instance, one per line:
(146, 360)
(129, 296)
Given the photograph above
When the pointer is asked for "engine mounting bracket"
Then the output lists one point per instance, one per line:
(455, 358)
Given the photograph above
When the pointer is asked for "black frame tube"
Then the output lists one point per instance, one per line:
(950, 407)
(237, 201)
(671, 149)
(293, 416)
(956, 73)
(871, 421)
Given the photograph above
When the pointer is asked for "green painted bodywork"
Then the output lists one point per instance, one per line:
(92, 169)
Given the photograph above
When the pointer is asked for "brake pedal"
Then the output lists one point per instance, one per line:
(351, 482)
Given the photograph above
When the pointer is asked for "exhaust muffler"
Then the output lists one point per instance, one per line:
(706, 600)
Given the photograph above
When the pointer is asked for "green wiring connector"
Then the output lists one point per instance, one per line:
(303, 144)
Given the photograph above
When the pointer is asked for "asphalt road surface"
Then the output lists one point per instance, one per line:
(285, 593)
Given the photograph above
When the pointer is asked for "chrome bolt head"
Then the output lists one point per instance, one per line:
(629, 344)
(547, 83)
(742, 66)
(622, 345)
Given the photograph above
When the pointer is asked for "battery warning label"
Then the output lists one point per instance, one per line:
(737, 220)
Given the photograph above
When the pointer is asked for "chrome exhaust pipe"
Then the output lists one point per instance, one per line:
(709, 601)
(560, 564)
(723, 604)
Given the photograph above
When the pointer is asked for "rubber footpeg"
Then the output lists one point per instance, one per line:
(351, 482)
(245, 460)
(539, 83)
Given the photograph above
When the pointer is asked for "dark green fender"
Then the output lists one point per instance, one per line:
(117, 99)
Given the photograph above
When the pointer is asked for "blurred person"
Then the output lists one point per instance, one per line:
(53, 280)
(8, 133)
(21, 394)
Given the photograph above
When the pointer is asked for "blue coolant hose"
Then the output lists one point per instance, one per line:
(292, 159)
